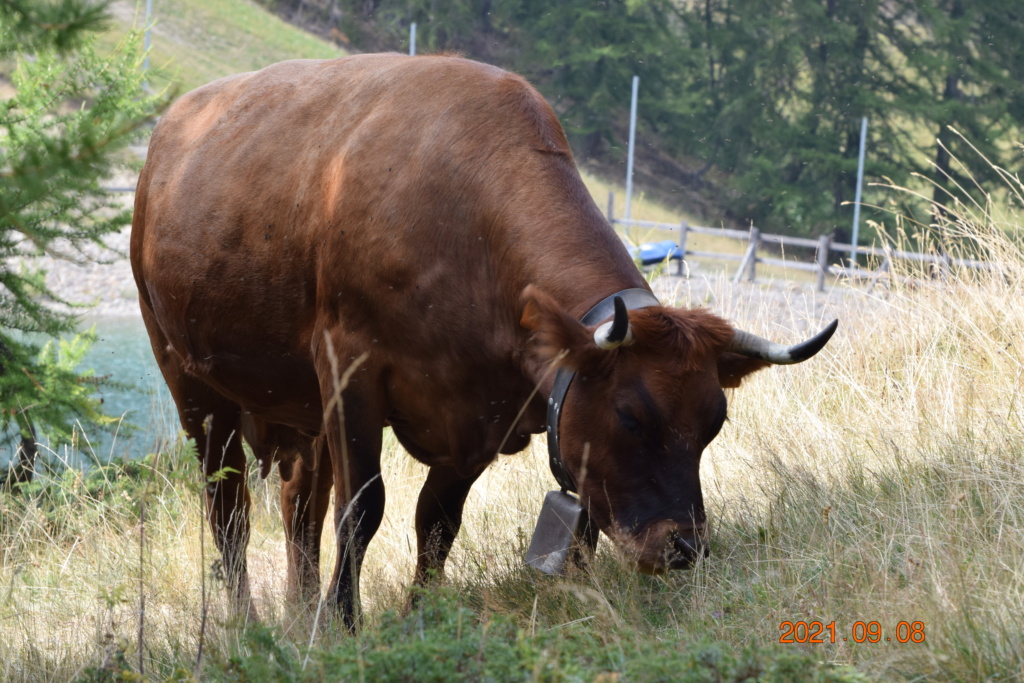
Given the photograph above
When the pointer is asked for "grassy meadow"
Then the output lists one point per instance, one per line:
(875, 488)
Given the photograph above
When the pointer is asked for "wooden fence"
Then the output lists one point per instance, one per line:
(823, 246)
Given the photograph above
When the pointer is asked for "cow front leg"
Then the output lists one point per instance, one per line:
(438, 519)
(305, 497)
(355, 410)
(358, 511)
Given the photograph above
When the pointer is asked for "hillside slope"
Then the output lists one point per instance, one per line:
(197, 42)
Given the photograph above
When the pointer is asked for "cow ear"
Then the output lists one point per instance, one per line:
(734, 367)
(554, 330)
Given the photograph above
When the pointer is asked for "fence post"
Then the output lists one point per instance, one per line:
(755, 240)
(611, 208)
(824, 246)
(945, 265)
(749, 262)
(683, 229)
(883, 270)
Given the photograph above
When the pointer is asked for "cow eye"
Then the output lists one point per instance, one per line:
(627, 420)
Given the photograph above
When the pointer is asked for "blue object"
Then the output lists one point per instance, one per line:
(655, 252)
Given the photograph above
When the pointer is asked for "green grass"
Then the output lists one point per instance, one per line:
(444, 640)
(504, 625)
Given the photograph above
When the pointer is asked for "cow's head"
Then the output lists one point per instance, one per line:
(646, 400)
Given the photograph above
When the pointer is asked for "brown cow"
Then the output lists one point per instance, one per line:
(413, 230)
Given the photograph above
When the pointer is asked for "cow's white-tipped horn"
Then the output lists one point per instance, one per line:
(616, 333)
(757, 347)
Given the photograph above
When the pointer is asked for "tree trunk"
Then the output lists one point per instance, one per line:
(951, 93)
(485, 16)
(25, 468)
(940, 195)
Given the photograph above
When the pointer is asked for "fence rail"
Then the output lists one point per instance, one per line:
(823, 246)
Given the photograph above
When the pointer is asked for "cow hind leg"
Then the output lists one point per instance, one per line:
(305, 497)
(438, 519)
(227, 498)
(213, 423)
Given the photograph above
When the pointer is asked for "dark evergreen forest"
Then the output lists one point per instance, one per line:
(750, 110)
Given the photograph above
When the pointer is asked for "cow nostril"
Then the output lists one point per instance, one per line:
(687, 547)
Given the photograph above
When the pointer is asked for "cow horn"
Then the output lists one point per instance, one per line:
(616, 333)
(756, 347)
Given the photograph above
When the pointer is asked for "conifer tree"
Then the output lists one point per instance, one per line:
(763, 99)
(72, 112)
(972, 68)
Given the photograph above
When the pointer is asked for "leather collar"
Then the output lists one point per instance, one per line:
(634, 299)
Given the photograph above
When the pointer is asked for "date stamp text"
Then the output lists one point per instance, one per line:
(859, 632)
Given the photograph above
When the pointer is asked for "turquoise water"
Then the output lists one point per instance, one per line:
(121, 351)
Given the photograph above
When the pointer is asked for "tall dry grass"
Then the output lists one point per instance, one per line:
(878, 482)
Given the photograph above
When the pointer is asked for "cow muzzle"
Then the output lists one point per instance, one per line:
(665, 545)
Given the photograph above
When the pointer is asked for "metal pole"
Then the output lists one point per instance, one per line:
(684, 227)
(412, 39)
(822, 258)
(632, 140)
(860, 183)
(146, 39)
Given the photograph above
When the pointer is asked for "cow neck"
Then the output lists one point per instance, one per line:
(634, 299)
